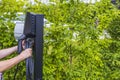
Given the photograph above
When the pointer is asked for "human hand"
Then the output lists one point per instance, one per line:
(26, 53)
(23, 44)
(28, 42)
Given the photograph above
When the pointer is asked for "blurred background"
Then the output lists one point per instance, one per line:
(81, 37)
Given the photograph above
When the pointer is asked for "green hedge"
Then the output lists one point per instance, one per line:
(73, 49)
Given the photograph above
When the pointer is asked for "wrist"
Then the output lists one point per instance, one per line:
(23, 56)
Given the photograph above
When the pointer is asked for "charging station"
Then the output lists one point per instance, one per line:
(32, 33)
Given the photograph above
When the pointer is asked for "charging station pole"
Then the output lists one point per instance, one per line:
(32, 32)
(38, 47)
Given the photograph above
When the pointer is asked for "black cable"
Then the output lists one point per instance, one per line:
(29, 61)
(29, 68)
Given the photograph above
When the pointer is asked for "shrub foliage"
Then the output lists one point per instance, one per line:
(81, 43)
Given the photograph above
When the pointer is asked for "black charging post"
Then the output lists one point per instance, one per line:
(38, 48)
(33, 30)
(33, 36)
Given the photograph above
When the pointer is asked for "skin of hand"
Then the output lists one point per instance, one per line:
(26, 53)
(8, 51)
(7, 64)
(23, 44)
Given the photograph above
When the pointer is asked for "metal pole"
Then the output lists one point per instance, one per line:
(38, 47)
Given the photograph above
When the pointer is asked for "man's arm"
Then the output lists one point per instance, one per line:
(7, 64)
(8, 51)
